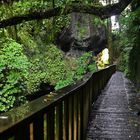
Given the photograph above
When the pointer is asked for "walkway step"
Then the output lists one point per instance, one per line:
(114, 115)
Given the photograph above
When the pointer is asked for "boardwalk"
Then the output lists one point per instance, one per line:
(114, 115)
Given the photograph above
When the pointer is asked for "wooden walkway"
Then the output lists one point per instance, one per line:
(114, 115)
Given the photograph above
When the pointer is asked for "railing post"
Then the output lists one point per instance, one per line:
(59, 122)
(66, 119)
(38, 128)
(71, 118)
(90, 93)
(85, 111)
(22, 132)
(4, 138)
(75, 117)
(79, 114)
(50, 124)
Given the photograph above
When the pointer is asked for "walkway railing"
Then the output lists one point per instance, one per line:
(59, 116)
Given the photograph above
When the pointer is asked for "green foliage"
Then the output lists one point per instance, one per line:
(130, 28)
(82, 32)
(63, 83)
(81, 67)
(127, 44)
(61, 22)
(124, 60)
(24, 67)
(24, 7)
(98, 22)
(13, 72)
(29, 44)
(36, 76)
(85, 64)
(51, 68)
(128, 38)
(55, 64)
(92, 67)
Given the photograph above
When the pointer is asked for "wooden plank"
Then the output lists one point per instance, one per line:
(91, 93)
(75, 121)
(50, 124)
(66, 120)
(59, 122)
(72, 122)
(85, 108)
(81, 113)
(3, 138)
(38, 128)
(70, 101)
(88, 98)
(22, 132)
(95, 87)
(6, 136)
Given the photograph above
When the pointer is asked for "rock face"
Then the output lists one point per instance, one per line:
(82, 35)
(98, 41)
(65, 39)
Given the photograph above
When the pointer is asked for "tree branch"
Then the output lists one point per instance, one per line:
(101, 11)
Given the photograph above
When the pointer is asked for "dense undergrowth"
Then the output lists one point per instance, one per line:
(126, 45)
(21, 75)
(29, 56)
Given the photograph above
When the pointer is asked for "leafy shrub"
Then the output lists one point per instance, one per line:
(50, 67)
(124, 60)
(81, 67)
(13, 72)
(129, 32)
(92, 67)
(21, 75)
(36, 76)
(63, 83)
(56, 65)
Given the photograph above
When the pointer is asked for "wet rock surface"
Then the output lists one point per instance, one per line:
(82, 35)
(115, 115)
